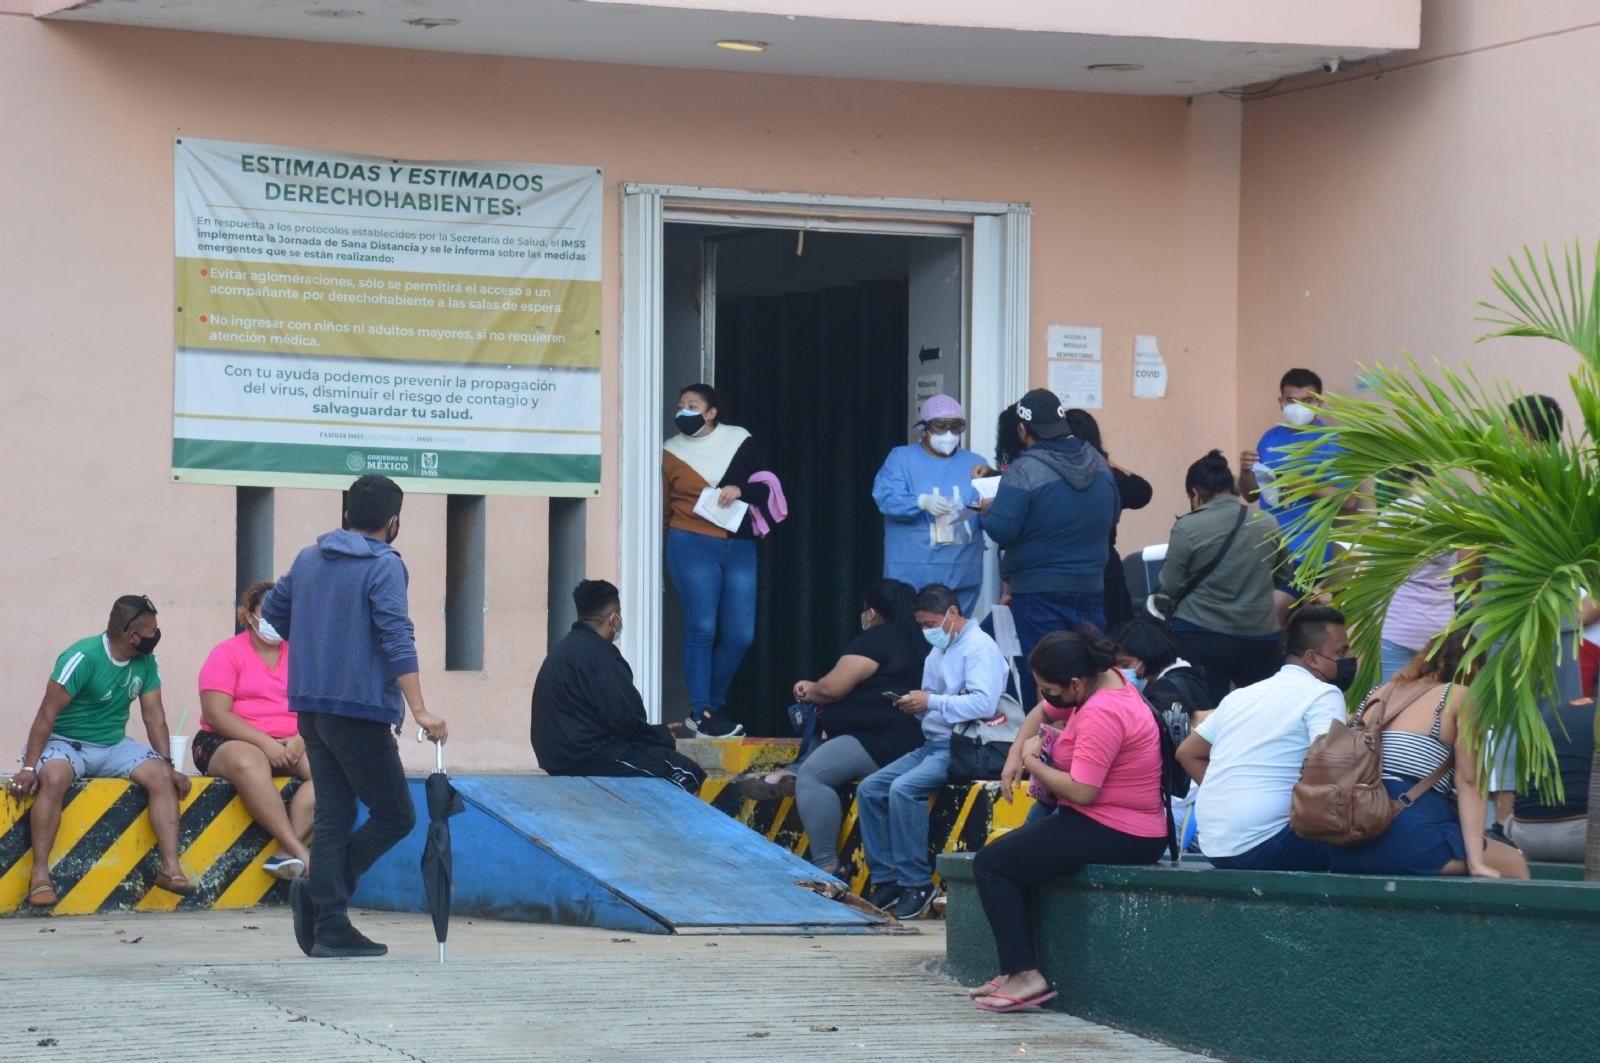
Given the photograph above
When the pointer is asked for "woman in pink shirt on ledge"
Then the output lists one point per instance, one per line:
(1102, 772)
(248, 735)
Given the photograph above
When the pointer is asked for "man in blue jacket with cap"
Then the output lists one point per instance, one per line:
(1052, 520)
(353, 671)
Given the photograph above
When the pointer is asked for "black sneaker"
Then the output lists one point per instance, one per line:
(1495, 832)
(305, 915)
(351, 942)
(883, 895)
(285, 867)
(709, 725)
(913, 902)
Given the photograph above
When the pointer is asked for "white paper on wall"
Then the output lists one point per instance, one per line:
(1078, 342)
(1149, 371)
(1077, 383)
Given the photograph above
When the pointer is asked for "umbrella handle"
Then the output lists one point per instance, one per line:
(438, 750)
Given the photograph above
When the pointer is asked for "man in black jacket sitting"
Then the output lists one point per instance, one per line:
(588, 717)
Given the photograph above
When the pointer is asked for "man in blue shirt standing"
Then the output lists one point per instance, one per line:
(343, 604)
(921, 490)
(1052, 519)
(1299, 396)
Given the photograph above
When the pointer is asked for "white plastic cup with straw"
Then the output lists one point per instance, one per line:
(178, 744)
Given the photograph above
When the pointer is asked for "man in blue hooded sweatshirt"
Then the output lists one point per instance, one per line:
(355, 658)
(1052, 520)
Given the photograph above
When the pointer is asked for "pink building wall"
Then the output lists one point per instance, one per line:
(1374, 208)
(1136, 222)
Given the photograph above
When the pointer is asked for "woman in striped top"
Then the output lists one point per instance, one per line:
(1421, 734)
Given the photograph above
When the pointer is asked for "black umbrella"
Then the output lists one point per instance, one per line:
(443, 802)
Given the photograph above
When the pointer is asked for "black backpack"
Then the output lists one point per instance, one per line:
(1178, 695)
(1175, 781)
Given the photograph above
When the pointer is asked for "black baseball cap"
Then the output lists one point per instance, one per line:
(1042, 411)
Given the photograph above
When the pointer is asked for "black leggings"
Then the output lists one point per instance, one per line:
(1009, 867)
(1226, 657)
(639, 760)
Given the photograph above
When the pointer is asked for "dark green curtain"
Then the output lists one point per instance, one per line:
(819, 378)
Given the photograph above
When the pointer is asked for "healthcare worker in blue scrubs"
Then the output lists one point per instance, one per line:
(922, 491)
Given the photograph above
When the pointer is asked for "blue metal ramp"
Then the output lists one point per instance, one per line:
(627, 854)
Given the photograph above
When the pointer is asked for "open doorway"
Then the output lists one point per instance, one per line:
(822, 344)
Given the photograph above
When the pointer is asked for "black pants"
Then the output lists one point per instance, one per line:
(1229, 657)
(351, 759)
(641, 761)
(1008, 869)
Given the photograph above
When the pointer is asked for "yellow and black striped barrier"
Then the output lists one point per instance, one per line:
(963, 817)
(105, 857)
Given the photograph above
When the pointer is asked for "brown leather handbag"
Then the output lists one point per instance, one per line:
(1340, 798)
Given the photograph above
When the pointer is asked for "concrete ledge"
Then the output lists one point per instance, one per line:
(104, 857)
(1310, 968)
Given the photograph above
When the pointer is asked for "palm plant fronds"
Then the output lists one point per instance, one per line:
(1521, 519)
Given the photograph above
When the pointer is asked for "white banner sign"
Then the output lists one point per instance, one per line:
(338, 314)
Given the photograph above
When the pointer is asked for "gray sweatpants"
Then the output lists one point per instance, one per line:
(819, 777)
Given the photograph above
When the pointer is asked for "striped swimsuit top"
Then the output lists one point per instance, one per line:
(1410, 757)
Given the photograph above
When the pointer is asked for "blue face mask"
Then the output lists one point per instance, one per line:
(937, 637)
(1132, 677)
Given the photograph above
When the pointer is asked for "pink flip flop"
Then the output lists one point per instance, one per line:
(1017, 1005)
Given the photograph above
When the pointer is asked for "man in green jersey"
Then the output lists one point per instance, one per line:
(80, 732)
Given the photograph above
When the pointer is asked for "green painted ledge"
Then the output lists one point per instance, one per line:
(1307, 968)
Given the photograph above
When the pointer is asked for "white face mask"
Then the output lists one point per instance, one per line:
(945, 442)
(1296, 414)
(268, 633)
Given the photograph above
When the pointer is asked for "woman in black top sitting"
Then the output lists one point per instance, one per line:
(1135, 492)
(861, 729)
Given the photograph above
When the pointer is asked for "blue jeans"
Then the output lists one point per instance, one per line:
(1394, 657)
(892, 808)
(716, 582)
(1038, 613)
(1284, 851)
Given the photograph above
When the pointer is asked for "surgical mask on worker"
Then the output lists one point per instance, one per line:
(689, 422)
(944, 442)
(268, 633)
(1298, 414)
(937, 637)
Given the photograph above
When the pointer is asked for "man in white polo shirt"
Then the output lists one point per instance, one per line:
(1248, 753)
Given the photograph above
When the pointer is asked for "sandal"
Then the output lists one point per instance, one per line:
(1016, 1005)
(33, 896)
(174, 883)
(993, 983)
(755, 787)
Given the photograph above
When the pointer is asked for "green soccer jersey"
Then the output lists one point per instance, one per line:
(102, 689)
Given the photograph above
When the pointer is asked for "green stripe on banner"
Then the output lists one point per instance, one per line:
(398, 462)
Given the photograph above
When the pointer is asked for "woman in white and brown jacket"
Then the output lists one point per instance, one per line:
(713, 563)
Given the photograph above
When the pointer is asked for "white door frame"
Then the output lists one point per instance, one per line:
(997, 352)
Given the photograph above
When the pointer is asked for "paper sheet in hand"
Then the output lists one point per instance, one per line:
(728, 517)
(1005, 631)
(986, 486)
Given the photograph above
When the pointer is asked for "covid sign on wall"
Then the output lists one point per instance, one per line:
(438, 322)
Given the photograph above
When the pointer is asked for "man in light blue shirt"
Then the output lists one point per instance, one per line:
(921, 490)
(962, 679)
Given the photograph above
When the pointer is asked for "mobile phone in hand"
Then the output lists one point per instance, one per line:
(892, 696)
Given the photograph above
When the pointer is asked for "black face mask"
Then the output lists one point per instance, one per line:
(1055, 702)
(147, 643)
(1345, 677)
(689, 422)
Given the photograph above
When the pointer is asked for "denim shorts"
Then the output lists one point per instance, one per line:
(91, 761)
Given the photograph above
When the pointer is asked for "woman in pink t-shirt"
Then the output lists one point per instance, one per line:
(248, 735)
(1103, 769)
